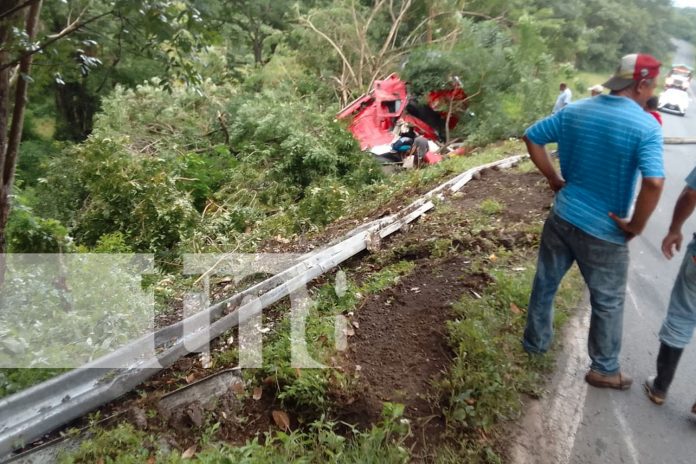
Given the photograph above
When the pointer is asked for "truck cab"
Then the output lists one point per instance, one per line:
(679, 77)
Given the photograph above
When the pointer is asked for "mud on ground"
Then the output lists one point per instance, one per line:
(400, 348)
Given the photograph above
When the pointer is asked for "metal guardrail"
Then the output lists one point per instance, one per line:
(679, 140)
(29, 414)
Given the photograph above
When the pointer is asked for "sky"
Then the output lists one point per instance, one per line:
(684, 3)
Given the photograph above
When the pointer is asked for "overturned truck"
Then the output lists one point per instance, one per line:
(376, 116)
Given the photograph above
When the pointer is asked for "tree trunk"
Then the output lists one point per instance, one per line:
(5, 27)
(76, 107)
(257, 45)
(447, 120)
(257, 37)
(9, 146)
(431, 15)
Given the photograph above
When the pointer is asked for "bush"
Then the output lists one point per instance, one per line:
(503, 75)
(200, 171)
(297, 146)
(323, 203)
(99, 189)
(33, 157)
(29, 233)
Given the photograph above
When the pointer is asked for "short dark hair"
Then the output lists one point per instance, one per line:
(651, 104)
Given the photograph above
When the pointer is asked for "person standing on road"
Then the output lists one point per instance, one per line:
(564, 98)
(603, 143)
(678, 326)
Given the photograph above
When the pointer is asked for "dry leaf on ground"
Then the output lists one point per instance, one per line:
(189, 453)
(282, 420)
(515, 309)
(238, 388)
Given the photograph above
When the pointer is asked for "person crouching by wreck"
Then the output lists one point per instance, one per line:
(603, 144)
(404, 141)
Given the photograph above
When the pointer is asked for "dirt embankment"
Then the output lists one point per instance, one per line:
(400, 348)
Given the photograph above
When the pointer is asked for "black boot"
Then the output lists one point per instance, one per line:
(667, 361)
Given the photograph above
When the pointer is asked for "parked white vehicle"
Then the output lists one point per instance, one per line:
(674, 100)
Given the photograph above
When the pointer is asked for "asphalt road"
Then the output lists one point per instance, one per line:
(625, 427)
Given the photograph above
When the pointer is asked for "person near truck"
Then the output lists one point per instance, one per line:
(603, 144)
(678, 325)
(564, 98)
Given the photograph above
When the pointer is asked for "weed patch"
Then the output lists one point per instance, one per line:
(490, 369)
(322, 443)
(15, 380)
(491, 207)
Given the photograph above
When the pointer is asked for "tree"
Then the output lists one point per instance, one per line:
(369, 41)
(255, 21)
(10, 16)
(168, 27)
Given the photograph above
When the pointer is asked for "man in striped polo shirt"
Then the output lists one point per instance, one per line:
(603, 144)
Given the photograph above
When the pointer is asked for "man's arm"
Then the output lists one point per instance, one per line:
(649, 195)
(542, 161)
(682, 210)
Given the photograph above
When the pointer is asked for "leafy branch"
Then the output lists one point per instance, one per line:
(69, 29)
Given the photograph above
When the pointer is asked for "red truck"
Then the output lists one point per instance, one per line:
(375, 115)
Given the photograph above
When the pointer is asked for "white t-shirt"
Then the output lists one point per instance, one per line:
(564, 98)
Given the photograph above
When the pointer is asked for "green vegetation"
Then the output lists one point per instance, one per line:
(491, 207)
(223, 135)
(383, 443)
(490, 369)
(683, 25)
(14, 380)
(178, 126)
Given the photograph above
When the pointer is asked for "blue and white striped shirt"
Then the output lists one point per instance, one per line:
(603, 143)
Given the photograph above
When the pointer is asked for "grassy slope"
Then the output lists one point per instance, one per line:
(484, 335)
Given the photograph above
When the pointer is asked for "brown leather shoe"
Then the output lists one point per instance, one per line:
(617, 381)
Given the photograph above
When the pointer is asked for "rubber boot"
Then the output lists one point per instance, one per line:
(667, 361)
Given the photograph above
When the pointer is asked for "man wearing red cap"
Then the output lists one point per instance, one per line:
(603, 144)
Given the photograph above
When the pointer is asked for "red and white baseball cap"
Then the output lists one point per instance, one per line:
(633, 68)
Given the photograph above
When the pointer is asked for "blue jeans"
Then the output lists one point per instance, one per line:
(678, 326)
(604, 266)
